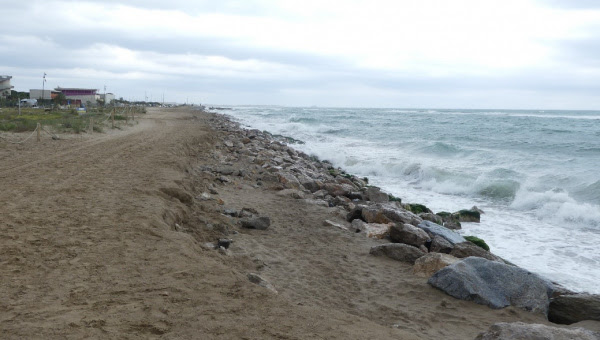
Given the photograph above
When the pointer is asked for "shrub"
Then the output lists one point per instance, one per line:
(478, 242)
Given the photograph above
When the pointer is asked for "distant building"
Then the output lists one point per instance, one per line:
(42, 94)
(78, 95)
(5, 87)
(107, 98)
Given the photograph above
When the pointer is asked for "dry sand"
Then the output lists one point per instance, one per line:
(93, 245)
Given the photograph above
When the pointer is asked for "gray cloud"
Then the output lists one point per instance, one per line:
(573, 4)
(80, 56)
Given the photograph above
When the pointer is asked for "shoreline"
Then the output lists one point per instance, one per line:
(182, 227)
(290, 142)
(550, 226)
(349, 200)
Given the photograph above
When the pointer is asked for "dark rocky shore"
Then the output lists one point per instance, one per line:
(463, 268)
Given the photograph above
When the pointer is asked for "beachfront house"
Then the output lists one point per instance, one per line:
(5, 87)
(79, 96)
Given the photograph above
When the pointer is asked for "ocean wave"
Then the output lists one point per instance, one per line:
(442, 149)
(557, 206)
(551, 116)
(588, 193)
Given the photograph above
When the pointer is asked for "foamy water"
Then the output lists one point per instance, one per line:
(534, 173)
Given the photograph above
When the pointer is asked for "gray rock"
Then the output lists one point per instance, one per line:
(523, 331)
(454, 225)
(432, 218)
(374, 215)
(357, 225)
(310, 184)
(468, 215)
(466, 249)
(397, 251)
(261, 223)
(493, 284)
(289, 181)
(428, 264)
(403, 216)
(226, 170)
(435, 229)
(449, 220)
(568, 309)
(374, 194)
(408, 234)
(230, 212)
(440, 245)
(334, 189)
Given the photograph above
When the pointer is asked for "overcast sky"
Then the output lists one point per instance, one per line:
(372, 53)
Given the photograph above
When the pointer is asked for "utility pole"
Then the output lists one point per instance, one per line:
(43, 86)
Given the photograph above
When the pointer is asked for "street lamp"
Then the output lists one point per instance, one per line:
(43, 85)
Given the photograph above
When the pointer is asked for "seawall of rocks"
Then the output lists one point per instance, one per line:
(414, 234)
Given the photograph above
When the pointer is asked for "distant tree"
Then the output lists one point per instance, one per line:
(60, 99)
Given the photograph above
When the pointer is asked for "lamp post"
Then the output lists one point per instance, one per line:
(43, 86)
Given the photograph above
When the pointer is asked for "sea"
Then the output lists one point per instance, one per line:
(535, 174)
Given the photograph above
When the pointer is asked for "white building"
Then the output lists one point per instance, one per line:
(5, 87)
(41, 94)
(107, 98)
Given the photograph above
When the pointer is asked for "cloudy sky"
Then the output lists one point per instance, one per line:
(367, 53)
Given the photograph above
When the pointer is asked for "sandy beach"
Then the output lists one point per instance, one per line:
(105, 236)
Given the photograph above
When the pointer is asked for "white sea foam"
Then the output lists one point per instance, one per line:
(539, 191)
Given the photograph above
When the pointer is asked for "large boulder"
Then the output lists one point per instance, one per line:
(466, 249)
(440, 245)
(397, 251)
(335, 189)
(408, 234)
(374, 215)
(402, 216)
(435, 229)
(428, 264)
(523, 331)
(568, 309)
(449, 220)
(494, 284)
(310, 184)
(472, 215)
(289, 181)
(377, 230)
(432, 218)
(375, 195)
